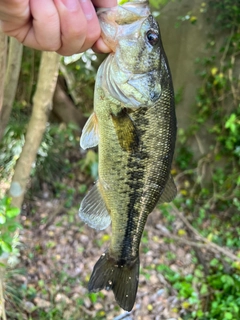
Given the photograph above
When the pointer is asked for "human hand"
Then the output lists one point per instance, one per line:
(64, 26)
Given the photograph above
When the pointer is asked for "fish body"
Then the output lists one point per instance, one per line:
(134, 125)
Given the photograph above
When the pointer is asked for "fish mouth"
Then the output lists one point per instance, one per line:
(111, 20)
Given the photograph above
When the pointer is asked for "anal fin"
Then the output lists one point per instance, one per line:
(90, 135)
(169, 192)
(93, 210)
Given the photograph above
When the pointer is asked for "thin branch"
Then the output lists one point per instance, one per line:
(203, 242)
(70, 80)
(184, 240)
(210, 246)
(186, 222)
(226, 48)
(200, 144)
(88, 312)
(11, 81)
(230, 76)
(3, 55)
(2, 300)
(184, 173)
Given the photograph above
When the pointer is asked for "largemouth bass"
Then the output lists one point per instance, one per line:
(134, 125)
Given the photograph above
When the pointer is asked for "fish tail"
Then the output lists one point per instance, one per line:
(122, 278)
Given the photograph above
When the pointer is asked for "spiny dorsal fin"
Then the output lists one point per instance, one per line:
(90, 135)
(126, 131)
(93, 210)
(169, 192)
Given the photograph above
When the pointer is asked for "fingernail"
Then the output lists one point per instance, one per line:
(87, 8)
(71, 5)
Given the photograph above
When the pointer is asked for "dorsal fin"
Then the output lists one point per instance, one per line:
(90, 135)
(169, 192)
(93, 210)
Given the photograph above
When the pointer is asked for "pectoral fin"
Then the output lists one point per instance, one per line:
(93, 210)
(126, 131)
(90, 136)
(169, 192)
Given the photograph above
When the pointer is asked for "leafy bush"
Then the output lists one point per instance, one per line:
(8, 227)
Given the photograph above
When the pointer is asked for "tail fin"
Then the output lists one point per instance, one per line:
(121, 278)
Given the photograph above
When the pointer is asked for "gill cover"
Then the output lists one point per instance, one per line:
(131, 73)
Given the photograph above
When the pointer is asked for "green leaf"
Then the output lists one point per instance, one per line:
(93, 297)
(238, 181)
(5, 202)
(198, 273)
(231, 123)
(204, 289)
(227, 280)
(6, 247)
(12, 228)
(214, 262)
(2, 218)
(13, 212)
(228, 315)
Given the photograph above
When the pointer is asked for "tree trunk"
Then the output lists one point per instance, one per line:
(42, 104)
(3, 53)
(11, 81)
(65, 110)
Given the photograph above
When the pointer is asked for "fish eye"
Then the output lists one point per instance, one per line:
(152, 37)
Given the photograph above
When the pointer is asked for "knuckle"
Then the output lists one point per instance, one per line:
(93, 35)
(51, 16)
(78, 31)
(48, 45)
(53, 46)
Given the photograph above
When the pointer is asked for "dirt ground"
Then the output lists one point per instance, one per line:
(58, 253)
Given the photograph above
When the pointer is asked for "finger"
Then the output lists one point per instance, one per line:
(15, 11)
(101, 47)
(15, 17)
(45, 31)
(93, 27)
(104, 3)
(79, 25)
(73, 26)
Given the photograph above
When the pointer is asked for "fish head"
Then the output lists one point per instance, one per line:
(134, 37)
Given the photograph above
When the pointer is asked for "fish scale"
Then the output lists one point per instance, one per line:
(134, 125)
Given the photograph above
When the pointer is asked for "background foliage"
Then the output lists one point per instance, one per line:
(209, 187)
